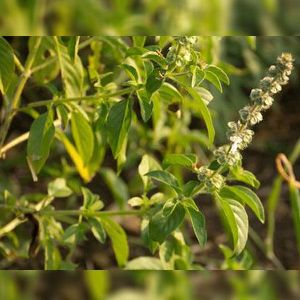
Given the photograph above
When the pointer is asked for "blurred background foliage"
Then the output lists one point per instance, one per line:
(149, 285)
(123, 17)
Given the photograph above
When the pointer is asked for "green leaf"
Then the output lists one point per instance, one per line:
(166, 178)
(239, 174)
(58, 188)
(139, 40)
(237, 219)
(185, 160)
(219, 73)
(97, 229)
(41, 136)
(146, 105)
(75, 233)
(205, 94)
(73, 44)
(118, 124)
(97, 283)
(52, 255)
(205, 113)
(7, 65)
(71, 72)
(154, 82)
(91, 201)
(198, 223)
(148, 163)
(117, 186)
(245, 196)
(131, 71)
(213, 78)
(198, 76)
(144, 263)
(119, 240)
(83, 136)
(169, 92)
(161, 226)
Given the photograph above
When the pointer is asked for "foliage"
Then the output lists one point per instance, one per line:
(129, 103)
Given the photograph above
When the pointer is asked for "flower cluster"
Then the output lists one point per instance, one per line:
(211, 180)
(180, 53)
(239, 134)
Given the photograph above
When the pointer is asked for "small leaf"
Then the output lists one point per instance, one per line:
(219, 73)
(245, 176)
(41, 136)
(83, 136)
(91, 201)
(153, 82)
(166, 178)
(213, 78)
(119, 240)
(205, 113)
(148, 163)
(185, 160)
(97, 229)
(161, 226)
(146, 105)
(131, 71)
(135, 201)
(58, 188)
(245, 196)
(198, 222)
(118, 124)
(237, 219)
(144, 263)
(205, 94)
(7, 65)
(198, 76)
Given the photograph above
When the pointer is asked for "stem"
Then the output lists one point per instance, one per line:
(19, 90)
(88, 213)
(67, 100)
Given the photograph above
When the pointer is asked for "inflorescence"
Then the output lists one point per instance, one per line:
(238, 133)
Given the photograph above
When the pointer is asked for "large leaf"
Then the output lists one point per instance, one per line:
(118, 123)
(245, 196)
(83, 136)
(198, 223)
(237, 220)
(7, 66)
(119, 240)
(166, 178)
(161, 226)
(71, 71)
(39, 142)
(205, 114)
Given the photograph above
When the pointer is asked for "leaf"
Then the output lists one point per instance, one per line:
(75, 233)
(118, 124)
(245, 176)
(219, 73)
(169, 92)
(153, 82)
(82, 169)
(237, 219)
(91, 201)
(52, 256)
(139, 41)
(205, 94)
(198, 223)
(161, 226)
(98, 283)
(40, 139)
(198, 76)
(83, 136)
(97, 229)
(119, 240)
(146, 105)
(7, 65)
(213, 78)
(117, 186)
(166, 178)
(58, 188)
(144, 263)
(148, 163)
(131, 71)
(184, 160)
(73, 44)
(71, 71)
(245, 196)
(205, 113)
